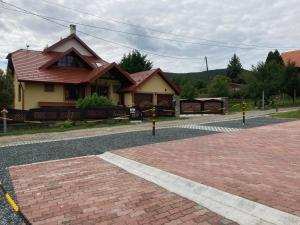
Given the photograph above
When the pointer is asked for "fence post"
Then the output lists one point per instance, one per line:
(244, 109)
(4, 113)
(153, 120)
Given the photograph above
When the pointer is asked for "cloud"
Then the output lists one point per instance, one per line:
(269, 24)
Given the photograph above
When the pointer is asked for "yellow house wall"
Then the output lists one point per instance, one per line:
(128, 99)
(155, 85)
(34, 93)
(17, 103)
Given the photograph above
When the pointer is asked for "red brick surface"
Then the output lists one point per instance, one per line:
(260, 164)
(89, 191)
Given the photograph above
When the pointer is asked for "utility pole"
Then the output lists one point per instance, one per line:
(205, 58)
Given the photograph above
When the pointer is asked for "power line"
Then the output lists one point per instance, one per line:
(155, 30)
(142, 35)
(94, 36)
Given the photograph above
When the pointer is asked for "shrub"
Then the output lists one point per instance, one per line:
(93, 101)
(67, 124)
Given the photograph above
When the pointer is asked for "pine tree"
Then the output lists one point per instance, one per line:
(135, 62)
(274, 57)
(234, 68)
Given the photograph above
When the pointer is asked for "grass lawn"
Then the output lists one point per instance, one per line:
(235, 104)
(288, 115)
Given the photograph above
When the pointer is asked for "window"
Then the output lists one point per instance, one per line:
(71, 60)
(49, 87)
(98, 64)
(72, 92)
(100, 90)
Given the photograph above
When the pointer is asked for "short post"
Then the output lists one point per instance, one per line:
(153, 120)
(4, 113)
(277, 103)
(244, 109)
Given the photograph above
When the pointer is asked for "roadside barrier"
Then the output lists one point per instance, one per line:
(15, 207)
(153, 120)
(153, 111)
(244, 112)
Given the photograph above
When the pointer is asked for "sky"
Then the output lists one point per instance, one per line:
(181, 33)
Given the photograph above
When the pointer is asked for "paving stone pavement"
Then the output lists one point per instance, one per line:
(39, 152)
(72, 147)
(87, 190)
(259, 164)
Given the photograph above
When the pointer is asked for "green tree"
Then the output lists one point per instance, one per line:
(290, 80)
(264, 79)
(135, 62)
(219, 86)
(274, 57)
(6, 90)
(189, 91)
(234, 68)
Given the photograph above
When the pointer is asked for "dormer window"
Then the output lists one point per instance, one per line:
(99, 64)
(71, 60)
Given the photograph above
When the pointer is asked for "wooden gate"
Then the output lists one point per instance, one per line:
(143, 100)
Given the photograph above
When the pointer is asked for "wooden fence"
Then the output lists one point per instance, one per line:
(209, 106)
(74, 114)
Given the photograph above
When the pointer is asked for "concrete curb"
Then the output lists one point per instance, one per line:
(240, 210)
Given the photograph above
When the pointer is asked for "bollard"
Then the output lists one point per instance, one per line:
(4, 113)
(15, 207)
(153, 120)
(244, 109)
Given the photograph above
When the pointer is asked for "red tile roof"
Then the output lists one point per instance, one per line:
(292, 56)
(143, 76)
(27, 63)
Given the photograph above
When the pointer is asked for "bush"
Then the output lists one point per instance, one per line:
(67, 124)
(93, 101)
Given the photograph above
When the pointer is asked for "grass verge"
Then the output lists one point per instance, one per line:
(68, 127)
(287, 115)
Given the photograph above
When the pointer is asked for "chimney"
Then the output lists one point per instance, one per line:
(72, 29)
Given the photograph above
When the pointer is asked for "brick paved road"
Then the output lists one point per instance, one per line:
(261, 164)
(88, 190)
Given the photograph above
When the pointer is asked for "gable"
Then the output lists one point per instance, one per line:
(156, 84)
(72, 43)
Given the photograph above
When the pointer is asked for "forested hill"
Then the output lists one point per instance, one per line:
(195, 76)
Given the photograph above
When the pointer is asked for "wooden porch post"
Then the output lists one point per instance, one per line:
(88, 90)
(154, 99)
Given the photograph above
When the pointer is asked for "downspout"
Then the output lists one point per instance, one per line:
(23, 101)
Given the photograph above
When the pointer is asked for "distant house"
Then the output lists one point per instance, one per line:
(292, 56)
(69, 69)
(234, 86)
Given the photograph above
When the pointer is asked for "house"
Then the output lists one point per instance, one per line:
(69, 69)
(234, 86)
(292, 56)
